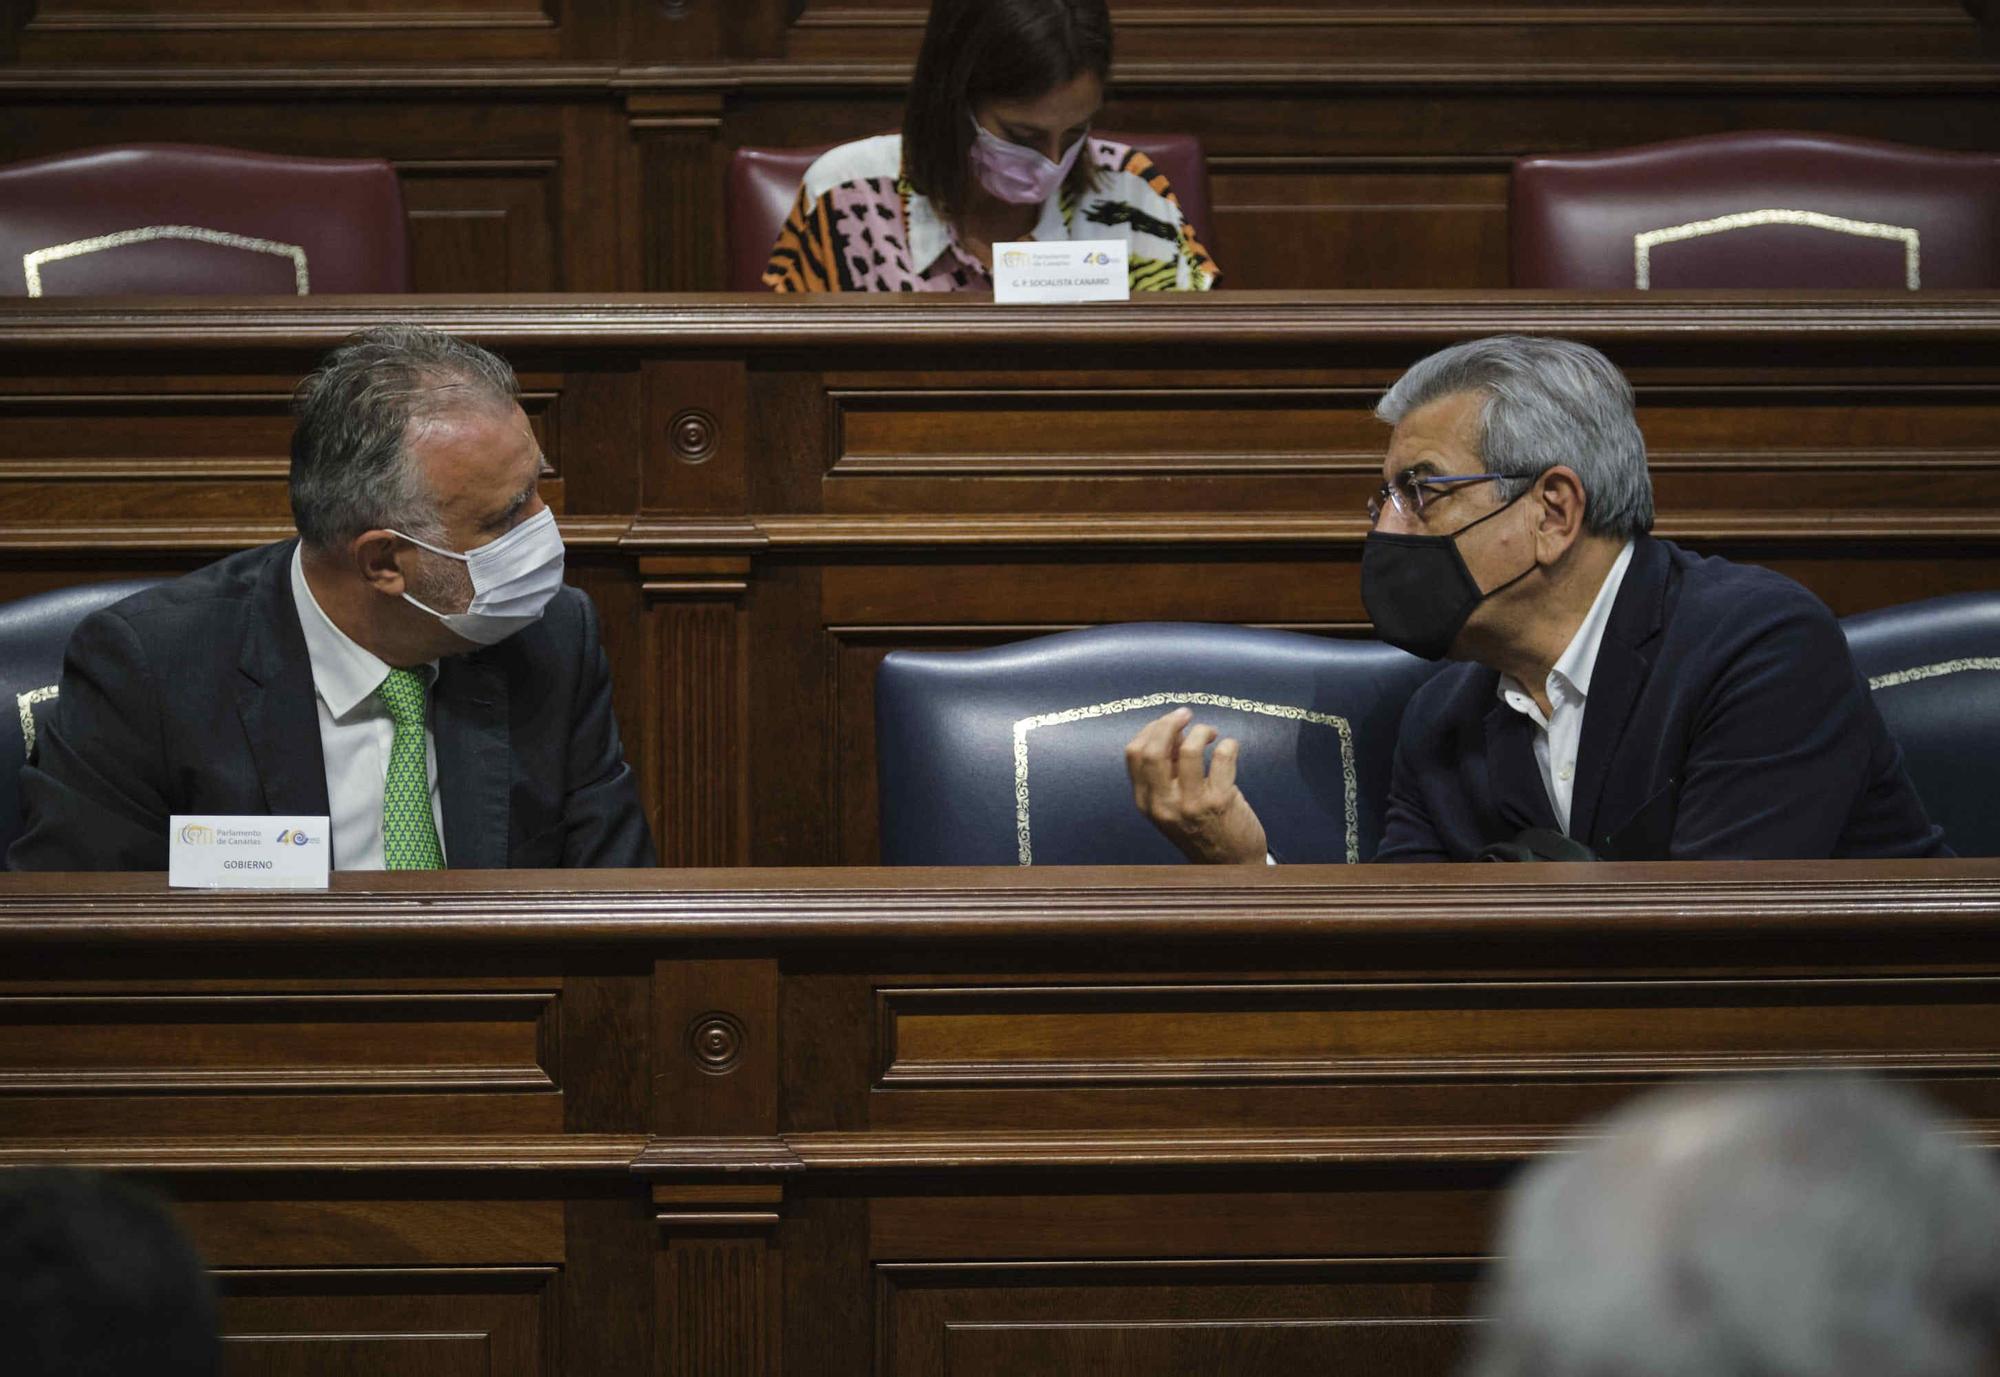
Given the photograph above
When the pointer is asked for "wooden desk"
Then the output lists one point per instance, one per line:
(579, 147)
(842, 1122)
(766, 496)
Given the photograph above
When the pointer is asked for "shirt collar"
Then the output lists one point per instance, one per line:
(345, 675)
(1579, 658)
(931, 234)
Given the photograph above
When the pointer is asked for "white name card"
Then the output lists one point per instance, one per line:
(1067, 270)
(229, 851)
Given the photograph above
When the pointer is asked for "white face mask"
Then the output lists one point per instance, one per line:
(513, 580)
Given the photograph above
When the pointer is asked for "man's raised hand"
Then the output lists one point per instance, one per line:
(1193, 801)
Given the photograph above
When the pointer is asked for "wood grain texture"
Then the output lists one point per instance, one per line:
(716, 1307)
(1186, 1315)
(1075, 1121)
(423, 1322)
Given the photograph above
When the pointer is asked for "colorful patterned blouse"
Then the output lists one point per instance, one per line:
(858, 226)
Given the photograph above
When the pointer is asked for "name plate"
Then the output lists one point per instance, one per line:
(1069, 270)
(230, 851)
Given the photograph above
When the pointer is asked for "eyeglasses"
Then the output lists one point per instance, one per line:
(1410, 494)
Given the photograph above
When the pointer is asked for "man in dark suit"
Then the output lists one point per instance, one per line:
(1638, 699)
(412, 666)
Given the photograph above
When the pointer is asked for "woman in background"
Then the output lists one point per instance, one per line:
(995, 147)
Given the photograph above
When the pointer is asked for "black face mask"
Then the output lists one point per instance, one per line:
(1417, 589)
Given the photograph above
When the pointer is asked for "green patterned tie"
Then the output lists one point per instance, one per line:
(409, 836)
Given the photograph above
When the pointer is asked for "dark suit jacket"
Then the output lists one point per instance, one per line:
(1725, 721)
(197, 697)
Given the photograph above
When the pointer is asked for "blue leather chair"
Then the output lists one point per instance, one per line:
(34, 631)
(1016, 754)
(1934, 668)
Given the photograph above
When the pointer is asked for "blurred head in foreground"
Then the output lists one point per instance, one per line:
(97, 1280)
(1817, 1227)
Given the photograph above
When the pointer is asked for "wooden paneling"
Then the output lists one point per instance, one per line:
(252, 31)
(1351, 146)
(435, 1322)
(469, 219)
(1129, 1318)
(338, 1225)
(1332, 1034)
(1449, 33)
(929, 1121)
(1330, 222)
(765, 497)
(276, 1042)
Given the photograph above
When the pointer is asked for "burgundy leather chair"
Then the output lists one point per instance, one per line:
(764, 182)
(180, 220)
(1758, 209)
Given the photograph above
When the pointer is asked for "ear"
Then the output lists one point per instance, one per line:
(1562, 508)
(375, 554)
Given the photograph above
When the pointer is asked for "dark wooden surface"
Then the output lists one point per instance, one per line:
(862, 1121)
(577, 145)
(765, 497)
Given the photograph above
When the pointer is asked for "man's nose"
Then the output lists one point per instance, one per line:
(1394, 521)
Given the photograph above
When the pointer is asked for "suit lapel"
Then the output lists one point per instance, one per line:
(275, 697)
(1624, 663)
(474, 761)
(1518, 793)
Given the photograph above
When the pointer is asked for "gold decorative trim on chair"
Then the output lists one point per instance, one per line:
(31, 263)
(1644, 242)
(26, 703)
(1897, 678)
(1350, 788)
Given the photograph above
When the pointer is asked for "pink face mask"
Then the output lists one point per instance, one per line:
(1019, 176)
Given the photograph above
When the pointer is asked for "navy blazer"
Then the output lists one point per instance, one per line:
(197, 697)
(1725, 721)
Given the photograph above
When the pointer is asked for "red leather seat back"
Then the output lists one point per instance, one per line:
(1760, 209)
(764, 182)
(183, 220)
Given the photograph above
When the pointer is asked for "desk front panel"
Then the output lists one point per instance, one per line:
(805, 1122)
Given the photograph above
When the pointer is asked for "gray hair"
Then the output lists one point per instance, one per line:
(1548, 402)
(1815, 1227)
(351, 469)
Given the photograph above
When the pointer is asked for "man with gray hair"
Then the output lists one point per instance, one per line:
(1625, 698)
(1804, 1228)
(411, 667)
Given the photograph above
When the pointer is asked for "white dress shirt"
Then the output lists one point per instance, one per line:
(355, 732)
(1568, 686)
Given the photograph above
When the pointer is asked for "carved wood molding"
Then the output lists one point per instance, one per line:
(717, 1299)
(692, 737)
(926, 532)
(1797, 527)
(297, 1080)
(1681, 323)
(1779, 902)
(891, 79)
(1584, 79)
(214, 21)
(975, 1150)
(565, 1152)
(222, 537)
(1437, 16)
(90, 83)
(744, 1156)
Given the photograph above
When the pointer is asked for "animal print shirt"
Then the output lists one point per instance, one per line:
(858, 226)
